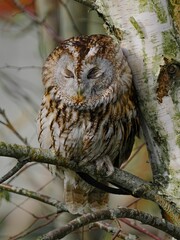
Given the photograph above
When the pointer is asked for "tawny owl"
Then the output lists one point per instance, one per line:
(88, 114)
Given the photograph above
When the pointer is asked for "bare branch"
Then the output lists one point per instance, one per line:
(16, 174)
(135, 185)
(140, 229)
(19, 205)
(9, 125)
(35, 195)
(70, 16)
(13, 171)
(116, 231)
(133, 155)
(37, 20)
(27, 231)
(18, 68)
(145, 218)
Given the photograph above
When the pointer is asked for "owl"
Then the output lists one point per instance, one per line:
(88, 113)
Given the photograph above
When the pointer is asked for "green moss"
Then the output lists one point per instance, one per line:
(156, 60)
(177, 124)
(159, 135)
(173, 8)
(143, 5)
(137, 27)
(4, 195)
(178, 139)
(160, 12)
(145, 58)
(170, 47)
(175, 181)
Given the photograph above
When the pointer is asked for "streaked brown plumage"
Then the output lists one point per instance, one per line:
(88, 112)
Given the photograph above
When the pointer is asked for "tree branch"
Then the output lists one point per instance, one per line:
(35, 195)
(137, 186)
(37, 20)
(70, 16)
(115, 231)
(13, 171)
(19, 68)
(28, 230)
(130, 182)
(140, 228)
(9, 125)
(145, 218)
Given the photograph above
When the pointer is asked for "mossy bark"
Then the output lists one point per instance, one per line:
(149, 32)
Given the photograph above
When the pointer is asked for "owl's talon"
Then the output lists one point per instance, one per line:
(104, 165)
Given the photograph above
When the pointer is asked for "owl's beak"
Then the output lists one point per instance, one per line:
(79, 97)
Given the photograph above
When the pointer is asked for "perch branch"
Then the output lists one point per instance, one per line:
(135, 185)
(145, 218)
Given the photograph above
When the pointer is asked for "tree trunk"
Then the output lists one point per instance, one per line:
(148, 32)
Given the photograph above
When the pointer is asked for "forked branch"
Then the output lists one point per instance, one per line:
(135, 185)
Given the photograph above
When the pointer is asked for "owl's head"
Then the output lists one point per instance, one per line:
(87, 71)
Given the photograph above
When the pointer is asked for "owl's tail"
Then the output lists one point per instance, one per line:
(80, 197)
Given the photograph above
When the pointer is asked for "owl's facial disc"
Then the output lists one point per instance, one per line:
(83, 83)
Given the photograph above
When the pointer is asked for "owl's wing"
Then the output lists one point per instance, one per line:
(44, 123)
(123, 156)
(130, 134)
(90, 180)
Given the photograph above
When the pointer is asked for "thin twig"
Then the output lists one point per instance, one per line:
(25, 232)
(132, 156)
(9, 125)
(20, 68)
(15, 175)
(30, 213)
(70, 16)
(140, 229)
(133, 202)
(19, 205)
(37, 20)
(108, 228)
(13, 171)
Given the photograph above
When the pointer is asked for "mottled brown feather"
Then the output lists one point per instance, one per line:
(88, 120)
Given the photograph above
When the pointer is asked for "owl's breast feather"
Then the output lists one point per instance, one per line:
(89, 135)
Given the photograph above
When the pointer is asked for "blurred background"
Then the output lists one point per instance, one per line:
(29, 31)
